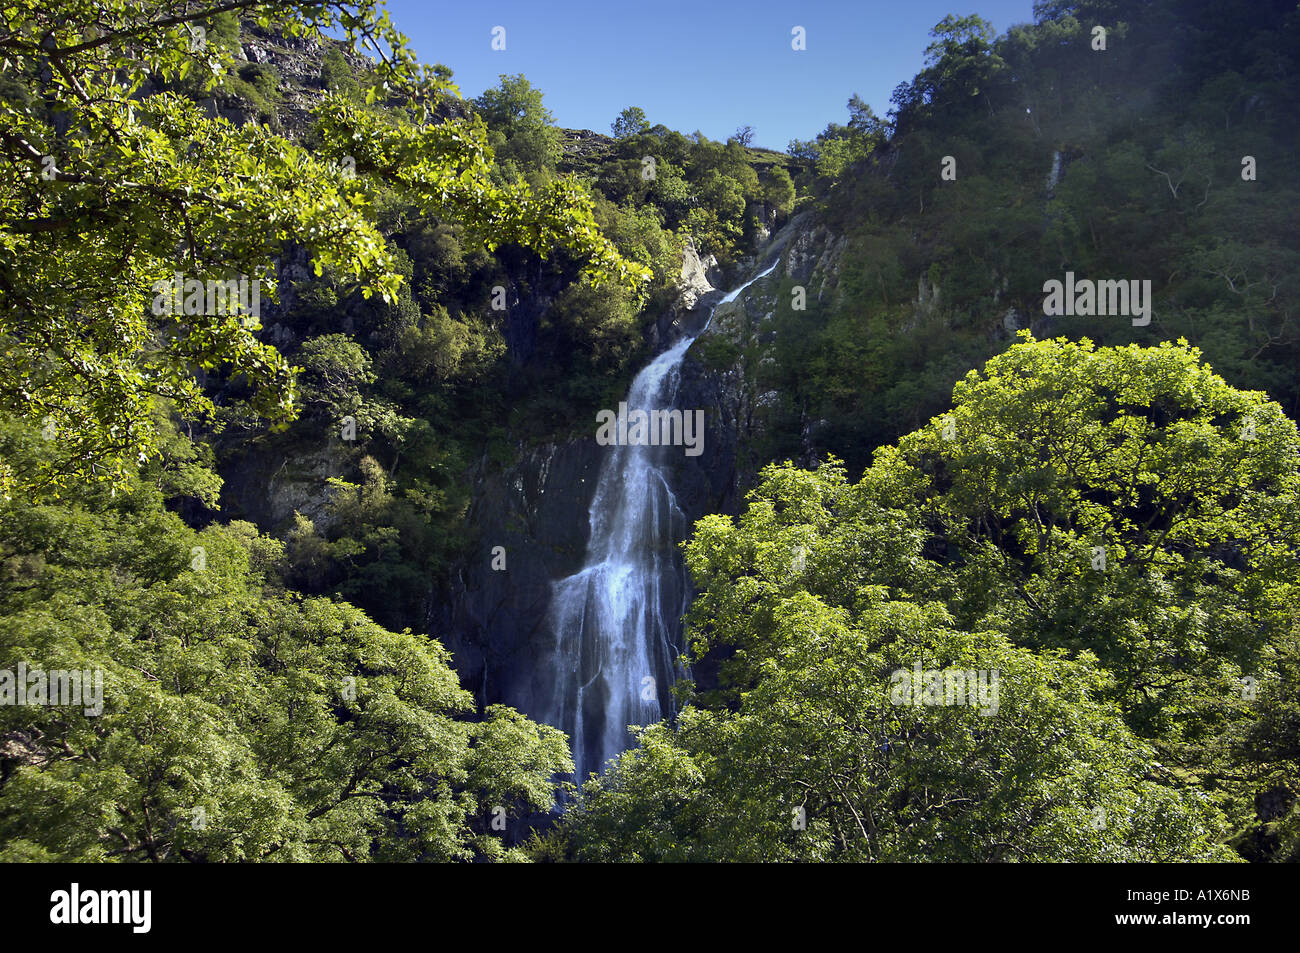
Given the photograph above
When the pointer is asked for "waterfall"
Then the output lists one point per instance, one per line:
(1054, 177)
(615, 624)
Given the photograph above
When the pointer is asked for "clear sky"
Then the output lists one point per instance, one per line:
(711, 65)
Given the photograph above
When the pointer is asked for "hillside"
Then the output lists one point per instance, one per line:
(323, 555)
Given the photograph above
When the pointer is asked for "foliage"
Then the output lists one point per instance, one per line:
(240, 720)
(630, 122)
(1125, 164)
(523, 130)
(106, 191)
(1117, 731)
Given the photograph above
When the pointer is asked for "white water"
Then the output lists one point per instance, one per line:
(615, 624)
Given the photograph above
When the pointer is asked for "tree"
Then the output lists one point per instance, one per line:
(514, 110)
(336, 367)
(960, 63)
(1106, 499)
(1111, 530)
(864, 121)
(744, 135)
(239, 721)
(960, 37)
(335, 371)
(803, 149)
(671, 192)
(837, 154)
(807, 752)
(630, 122)
(837, 147)
(105, 193)
(723, 196)
(778, 190)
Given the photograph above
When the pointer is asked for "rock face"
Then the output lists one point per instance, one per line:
(694, 281)
(731, 389)
(491, 619)
(267, 486)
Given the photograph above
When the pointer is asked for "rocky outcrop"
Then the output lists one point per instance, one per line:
(267, 483)
(694, 279)
(723, 372)
(536, 512)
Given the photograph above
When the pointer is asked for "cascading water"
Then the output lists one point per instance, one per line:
(616, 622)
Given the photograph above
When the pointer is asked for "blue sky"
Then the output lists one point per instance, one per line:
(711, 65)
